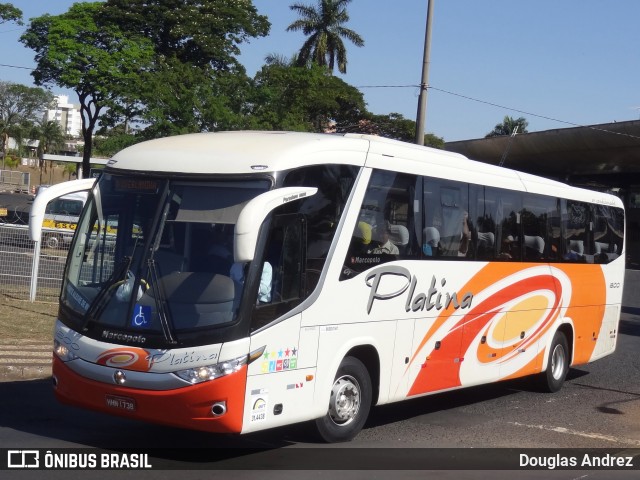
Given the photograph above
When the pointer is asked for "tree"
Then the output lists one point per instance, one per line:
(110, 141)
(51, 137)
(97, 60)
(508, 126)
(393, 125)
(197, 32)
(9, 13)
(323, 25)
(302, 99)
(19, 106)
(195, 83)
(433, 141)
(182, 98)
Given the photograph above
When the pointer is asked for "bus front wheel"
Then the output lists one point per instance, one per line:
(349, 403)
(552, 379)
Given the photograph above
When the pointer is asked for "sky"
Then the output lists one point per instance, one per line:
(558, 63)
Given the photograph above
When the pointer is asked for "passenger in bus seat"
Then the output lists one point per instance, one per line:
(385, 245)
(238, 273)
(361, 238)
(508, 248)
(430, 241)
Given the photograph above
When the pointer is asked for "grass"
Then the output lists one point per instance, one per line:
(26, 321)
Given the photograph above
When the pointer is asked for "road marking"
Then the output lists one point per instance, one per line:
(595, 436)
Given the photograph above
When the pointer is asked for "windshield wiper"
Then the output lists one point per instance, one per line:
(161, 302)
(101, 300)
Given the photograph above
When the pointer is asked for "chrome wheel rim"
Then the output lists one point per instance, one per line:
(345, 400)
(558, 360)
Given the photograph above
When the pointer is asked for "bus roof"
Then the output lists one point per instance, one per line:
(250, 152)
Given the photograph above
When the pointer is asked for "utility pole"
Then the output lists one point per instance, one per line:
(424, 84)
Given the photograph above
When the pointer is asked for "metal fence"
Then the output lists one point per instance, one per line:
(14, 181)
(17, 266)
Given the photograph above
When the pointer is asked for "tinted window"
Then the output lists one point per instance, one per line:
(388, 225)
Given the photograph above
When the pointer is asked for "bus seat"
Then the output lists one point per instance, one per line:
(601, 247)
(577, 246)
(486, 239)
(399, 235)
(534, 247)
(430, 241)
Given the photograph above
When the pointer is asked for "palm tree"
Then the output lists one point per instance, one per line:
(323, 25)
(508, 126)
(51, 137)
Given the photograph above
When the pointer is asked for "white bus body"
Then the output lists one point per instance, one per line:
(392, 271)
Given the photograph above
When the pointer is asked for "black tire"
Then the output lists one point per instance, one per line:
(52, 241)
(552, 379)
(350, 402)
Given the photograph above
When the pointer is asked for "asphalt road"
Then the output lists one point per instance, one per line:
(598, 408)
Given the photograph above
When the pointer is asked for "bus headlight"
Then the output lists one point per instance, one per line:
(63, 352)
(211, 372)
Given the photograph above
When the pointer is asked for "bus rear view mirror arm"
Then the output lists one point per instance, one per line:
(254, 213)
(36, 215)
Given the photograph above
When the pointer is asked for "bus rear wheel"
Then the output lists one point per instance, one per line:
(553, 378)
(349, 404)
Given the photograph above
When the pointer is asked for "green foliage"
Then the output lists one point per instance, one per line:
(9, 13)
(433, 141)
(196, 32)
(393, 125)
(97, 60)
(302, 99)
(182, 98)
(12, 161)
(112, 144)
(50, 134)
(69, 169)
(324, 27)
(508, 126)
(20, 108)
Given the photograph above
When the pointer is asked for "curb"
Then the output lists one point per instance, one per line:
(24, 362)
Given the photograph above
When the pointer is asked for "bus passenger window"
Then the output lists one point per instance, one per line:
(576, 230)
(448, 228)
(540, 240)
(386, 227)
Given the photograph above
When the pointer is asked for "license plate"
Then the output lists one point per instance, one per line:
(121, 403)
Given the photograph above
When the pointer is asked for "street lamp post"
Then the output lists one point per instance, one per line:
(424, 84)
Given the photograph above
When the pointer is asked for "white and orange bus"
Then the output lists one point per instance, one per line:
(258, 279)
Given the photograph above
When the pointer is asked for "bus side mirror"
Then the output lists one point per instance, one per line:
(36, 215)
(254, 213)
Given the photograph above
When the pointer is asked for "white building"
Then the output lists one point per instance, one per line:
(67, 115)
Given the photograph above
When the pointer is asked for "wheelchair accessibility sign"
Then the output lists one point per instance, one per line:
(141, 317)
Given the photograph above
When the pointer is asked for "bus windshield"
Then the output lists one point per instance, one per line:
(154, 257)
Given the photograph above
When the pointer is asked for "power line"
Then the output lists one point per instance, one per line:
(504, 107)
(15, 66)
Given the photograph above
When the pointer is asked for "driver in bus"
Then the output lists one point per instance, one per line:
(385, 245)
(264, 290)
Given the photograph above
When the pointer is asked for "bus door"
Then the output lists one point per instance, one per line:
(277, 381)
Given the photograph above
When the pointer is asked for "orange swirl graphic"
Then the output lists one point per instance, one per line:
(130, 358)
(532, 304)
